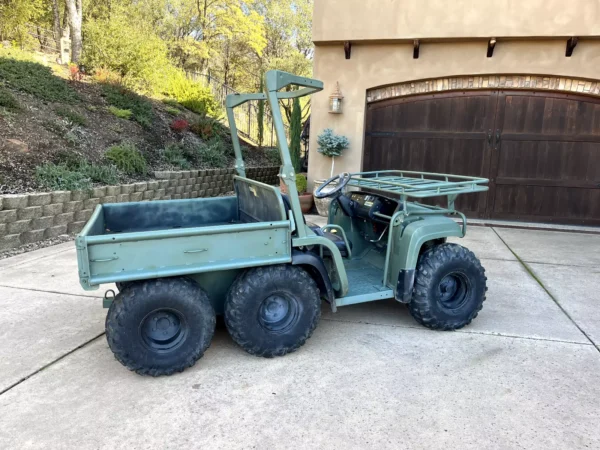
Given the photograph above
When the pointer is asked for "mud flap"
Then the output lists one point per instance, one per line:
(404, 287)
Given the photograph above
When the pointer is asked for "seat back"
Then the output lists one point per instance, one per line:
(258, 202)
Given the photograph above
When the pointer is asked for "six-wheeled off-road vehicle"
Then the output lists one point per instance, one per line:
(252, 257)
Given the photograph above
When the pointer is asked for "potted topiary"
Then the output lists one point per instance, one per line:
(331, 145)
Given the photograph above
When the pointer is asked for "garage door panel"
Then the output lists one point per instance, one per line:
(468, 113)
(548, 204)
(536, 114)
(550, 161)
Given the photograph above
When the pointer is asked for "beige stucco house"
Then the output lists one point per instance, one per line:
(508, 89)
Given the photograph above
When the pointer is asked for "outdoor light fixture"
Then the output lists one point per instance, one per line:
(491, 46)
(335, 100)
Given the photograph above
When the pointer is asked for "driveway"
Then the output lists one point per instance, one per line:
(524, 374)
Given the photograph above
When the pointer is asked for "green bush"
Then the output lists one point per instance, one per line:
(173, 154)
(126, 158)
(192, 95)
(72, 116)
(213, 154)
(102, 173)
(172, 111)
(59, 177)
(273, 156)
(74, 162)
(7, 100)
(171, 102)
(132, 49)
(120, 113)
(301, 184)
(207, 128)
(122, 98)
(35, 79)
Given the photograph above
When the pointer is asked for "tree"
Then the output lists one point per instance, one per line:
(75, 12)
(15, 15)
(295, 133)
(126, 44)
(261, 115)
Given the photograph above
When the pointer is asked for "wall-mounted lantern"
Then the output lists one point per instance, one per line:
(335, 100)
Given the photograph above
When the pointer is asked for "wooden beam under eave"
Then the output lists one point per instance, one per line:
(348, 49)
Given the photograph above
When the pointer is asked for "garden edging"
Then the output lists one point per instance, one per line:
(28, 218)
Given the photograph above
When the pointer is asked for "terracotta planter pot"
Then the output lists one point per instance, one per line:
(323, 203)
(306, 202)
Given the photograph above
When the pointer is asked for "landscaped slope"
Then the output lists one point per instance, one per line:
(59, 133)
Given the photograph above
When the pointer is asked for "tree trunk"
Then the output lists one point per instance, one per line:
(75, 19)
(56, 30)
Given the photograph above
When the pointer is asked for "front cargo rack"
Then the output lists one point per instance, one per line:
(418, 184)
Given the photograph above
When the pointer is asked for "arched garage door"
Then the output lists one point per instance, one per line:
(540, 150)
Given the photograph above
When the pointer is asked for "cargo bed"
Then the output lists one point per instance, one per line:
(134, 241)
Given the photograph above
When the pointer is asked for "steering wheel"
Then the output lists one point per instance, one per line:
(344, 180)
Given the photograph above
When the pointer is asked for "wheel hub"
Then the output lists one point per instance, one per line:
(453, 290)
(163, 330)
(278, 312)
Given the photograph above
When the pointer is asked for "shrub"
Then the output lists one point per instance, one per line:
(120, 113)
(72, 116)
(171, 102)
(74, 73)
(301, 184)
(101, 173)
(192, 95)
(103, 75)
(206, 128)
(273, 156)
(126, 158)
(7, 100)
(295, 133)
(172, 111)
(74, 174)
(173, 154)
(124, 99)
(106, 174)
(59, 177)
(331, 144)
(179, 125)
(53, 127)
(35, 79)
(128, 47)
(212, 154)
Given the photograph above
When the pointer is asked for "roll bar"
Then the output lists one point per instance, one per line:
(276, 80)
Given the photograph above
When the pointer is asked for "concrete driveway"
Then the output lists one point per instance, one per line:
(525, 374)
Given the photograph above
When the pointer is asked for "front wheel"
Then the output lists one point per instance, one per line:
(450, 287)
(271, 311)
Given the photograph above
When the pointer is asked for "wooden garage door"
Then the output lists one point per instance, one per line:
(541, 151)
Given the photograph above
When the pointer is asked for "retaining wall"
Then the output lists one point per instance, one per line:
(28, 218)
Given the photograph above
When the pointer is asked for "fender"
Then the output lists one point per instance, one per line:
(406, 248)
(314, 265)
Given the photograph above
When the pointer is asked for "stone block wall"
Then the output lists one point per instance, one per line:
(27, 218)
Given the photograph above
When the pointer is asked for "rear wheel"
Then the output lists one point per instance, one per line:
(449, 289)
(272, 311)
(158, 327)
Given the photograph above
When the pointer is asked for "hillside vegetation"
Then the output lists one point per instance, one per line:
(62, 130)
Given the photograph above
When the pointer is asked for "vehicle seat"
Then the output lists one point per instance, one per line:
(336, 239)
(333, 237)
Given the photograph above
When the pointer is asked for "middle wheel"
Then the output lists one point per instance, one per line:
(271, 311)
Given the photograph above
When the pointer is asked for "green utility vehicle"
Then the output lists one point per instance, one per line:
(253, 258)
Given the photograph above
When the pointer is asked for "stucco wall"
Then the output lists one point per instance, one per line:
(377, 65)
(355, 20)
